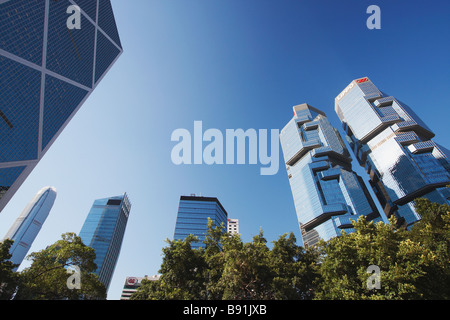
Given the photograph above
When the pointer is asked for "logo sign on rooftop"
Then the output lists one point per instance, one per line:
(350, 86)
(131, 281)
(362, 80)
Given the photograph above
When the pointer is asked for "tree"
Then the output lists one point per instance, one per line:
(46, 278)
(182, 272)
(409, 268)
(246, 273)
(227, 268)
(433, 233)
(295, 269)
(412, 264)
(433, 230)
(217, 241)
(8, 278)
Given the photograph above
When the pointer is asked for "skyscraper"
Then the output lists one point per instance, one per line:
(27, 226)
(394, 146)
(327, 193)
(193, 214)
(103, 230)
(47, 72)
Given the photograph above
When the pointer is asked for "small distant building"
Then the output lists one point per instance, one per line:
(233, 226)
(133, 283)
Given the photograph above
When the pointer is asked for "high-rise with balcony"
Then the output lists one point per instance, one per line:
(193, 214)
(48, 70)
(27, 226)
(327, 194)
(103, 230)
(394, 146)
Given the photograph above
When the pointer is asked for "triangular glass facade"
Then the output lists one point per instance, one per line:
(47, 72)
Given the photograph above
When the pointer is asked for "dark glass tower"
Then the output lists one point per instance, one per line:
(394, 146)
(103, 230)
(327, 193)
(193, 214)
(47, 73)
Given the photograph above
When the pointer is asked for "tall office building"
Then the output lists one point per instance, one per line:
(47, 72)
(27, 226)
(327, 193)
(103, 230)
(394, 146)
(193, 214)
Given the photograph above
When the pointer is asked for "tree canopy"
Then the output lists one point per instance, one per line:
(409, 264)
(412, 264)
(8, 278)
(227, 268)
(47, 277)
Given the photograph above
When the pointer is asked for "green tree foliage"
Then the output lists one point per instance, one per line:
(413, 264)
(246, 272)
(227, 268)
(8, 278)
(46, 278)
(433, 233)
(295, 269)
(183, 270)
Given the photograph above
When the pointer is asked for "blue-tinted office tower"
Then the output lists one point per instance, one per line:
(47, 71)
(103, 230)
(193, 214)
(27, 226)
(327, 193)
(394, 146)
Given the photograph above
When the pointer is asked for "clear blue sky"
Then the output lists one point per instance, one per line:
(231, 64)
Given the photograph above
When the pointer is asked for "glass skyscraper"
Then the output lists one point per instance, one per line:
(394, 146)
(27, 226)
(47, 72)
(193, 214)
(103, 230)
(327, 193)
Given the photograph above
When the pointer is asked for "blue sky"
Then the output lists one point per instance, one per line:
(231, 64)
